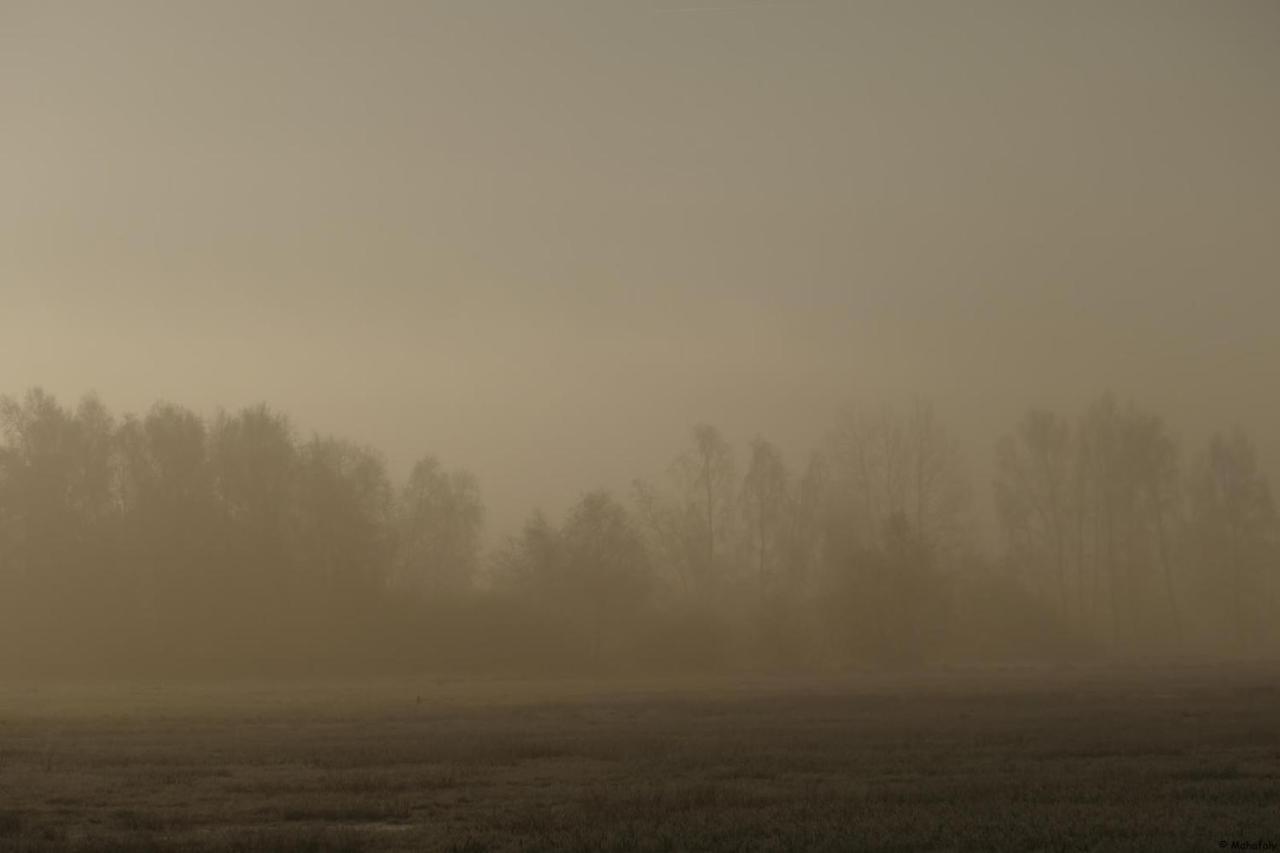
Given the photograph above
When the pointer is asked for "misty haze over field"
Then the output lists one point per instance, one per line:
(639, 425)
(796, 332)
(543, 239)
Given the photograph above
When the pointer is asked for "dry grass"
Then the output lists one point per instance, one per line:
(1173, 759)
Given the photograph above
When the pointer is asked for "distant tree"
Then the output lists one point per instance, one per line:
(888, 602)
(592, 573)
(531, 564)
(606, 561)
(253, 458)
(766, 505)
(675, 530)
(1034, 492)
(1234, 533)
(893, 521)
(57, 497)
(169, 509)
(1127, 470)
(916, 597)
(804, 547)
(1101, 506)
(707, 472)
(344, 527)
(892, 463)
(165, 460)
(1153, 461)
(440, 518)
(802, 540)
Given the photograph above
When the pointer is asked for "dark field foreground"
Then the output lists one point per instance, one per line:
(1119, 759)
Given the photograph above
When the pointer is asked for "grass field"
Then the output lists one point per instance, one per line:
(1106, 759)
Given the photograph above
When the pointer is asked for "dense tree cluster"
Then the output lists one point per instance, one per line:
(1132, 547)
(208, 542)
(176, 543)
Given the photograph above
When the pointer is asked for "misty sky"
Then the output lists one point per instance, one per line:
(542, 239)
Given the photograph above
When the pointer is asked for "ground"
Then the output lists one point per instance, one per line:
(1103, 758)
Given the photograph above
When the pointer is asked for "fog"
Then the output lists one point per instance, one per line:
(540, 242)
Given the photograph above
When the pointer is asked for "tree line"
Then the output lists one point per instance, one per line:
(170, 542)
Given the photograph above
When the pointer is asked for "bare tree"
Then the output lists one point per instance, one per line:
(707, 472)
(675, 531)
(1127, 504)
(1034, 468)
(1153, 460)
(765, 503)
(439, 521)
(804, 541)
(1233, 529)
(888, 463)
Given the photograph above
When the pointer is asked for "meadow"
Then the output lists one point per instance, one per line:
(1112, 758)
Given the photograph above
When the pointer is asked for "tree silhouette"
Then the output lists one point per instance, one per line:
(1034, 491)
(1233, 530)
(707, 471)
(439, 521)
(766, 504)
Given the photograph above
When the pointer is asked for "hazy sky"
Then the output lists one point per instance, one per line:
(542, 239)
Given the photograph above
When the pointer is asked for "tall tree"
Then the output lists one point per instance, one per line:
(674, 529)
(1127, 508)
(167, 496)
(889, 463)
(593, 572)
(254, 456)
(765, 503)
(57, 495)
(531, 564)
(895, 524)
(707, 472)
(343, 533)
(606, 560)
(1034, 490)
(440, 518)
(1153, 463)
(804, 541)
(1234, 532)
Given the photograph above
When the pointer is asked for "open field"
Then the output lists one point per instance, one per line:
(1115, 759)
